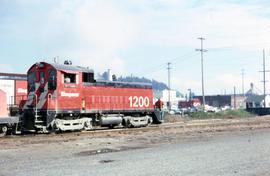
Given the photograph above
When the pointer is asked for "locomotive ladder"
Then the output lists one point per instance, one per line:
(38, 122)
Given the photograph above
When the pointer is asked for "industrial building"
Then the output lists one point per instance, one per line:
(14, 89)
(234, 101)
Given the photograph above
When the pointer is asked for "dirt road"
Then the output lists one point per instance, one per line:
(16, 151)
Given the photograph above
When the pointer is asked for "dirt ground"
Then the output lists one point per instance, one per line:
(104, 141)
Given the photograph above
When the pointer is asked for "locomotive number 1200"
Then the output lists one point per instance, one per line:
(138, 101)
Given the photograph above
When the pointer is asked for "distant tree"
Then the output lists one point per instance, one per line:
(156, 85)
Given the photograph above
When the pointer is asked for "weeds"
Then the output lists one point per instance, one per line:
(223, 114)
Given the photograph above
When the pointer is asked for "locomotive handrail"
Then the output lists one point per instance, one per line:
(36, 97)
(49, 98)
(16, 98)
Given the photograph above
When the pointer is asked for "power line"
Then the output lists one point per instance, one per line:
(240, 45)
(160, 67)
(182, 58)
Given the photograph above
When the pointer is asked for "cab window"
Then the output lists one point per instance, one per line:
(69, 78)
(51, 79)
(88, 77)
(41, 77)
(31, 78)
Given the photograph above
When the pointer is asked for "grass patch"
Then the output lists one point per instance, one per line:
(200, 115)
(234, 113)
(223, 114)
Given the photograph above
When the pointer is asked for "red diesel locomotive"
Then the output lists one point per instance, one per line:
(66, 97)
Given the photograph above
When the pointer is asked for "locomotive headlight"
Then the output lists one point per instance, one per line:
(39, 65)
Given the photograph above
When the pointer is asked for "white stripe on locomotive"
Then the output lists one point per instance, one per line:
(42, 97)
(31, 97)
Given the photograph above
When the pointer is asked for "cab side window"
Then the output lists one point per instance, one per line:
(88, 77)
(51, 79)
(31, 79)
(69, 78)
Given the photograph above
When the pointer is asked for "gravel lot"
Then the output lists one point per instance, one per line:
(19, 154)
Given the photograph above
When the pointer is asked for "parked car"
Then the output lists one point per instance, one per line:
(171, 112)
(177, 111)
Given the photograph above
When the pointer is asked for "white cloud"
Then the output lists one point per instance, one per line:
(108, 27)
(99, 33)
(5, 68)
(223, 24)
(183, 83)
(216, 84)
(226, 82)
(97, 60)
(227, 79)
(90, 33)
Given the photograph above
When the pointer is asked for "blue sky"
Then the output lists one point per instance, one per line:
(139, 37)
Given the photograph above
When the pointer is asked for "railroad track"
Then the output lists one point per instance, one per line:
(99, 130)
(184, 125)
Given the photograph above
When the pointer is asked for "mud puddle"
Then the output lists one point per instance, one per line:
(106, 150)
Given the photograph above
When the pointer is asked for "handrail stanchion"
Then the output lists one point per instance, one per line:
(36, 106)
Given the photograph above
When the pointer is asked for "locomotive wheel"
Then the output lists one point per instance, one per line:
(112, 126)
(148, 122)
(87, 126)
(126, 124)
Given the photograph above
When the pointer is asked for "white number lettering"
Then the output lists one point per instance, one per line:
(146, 102)
(141, 102)
(130, 101)
(135, 102)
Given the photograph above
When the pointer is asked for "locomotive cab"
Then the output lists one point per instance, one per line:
(42, 84)
(42, 105)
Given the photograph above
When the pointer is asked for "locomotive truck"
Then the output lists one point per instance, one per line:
(63, 97)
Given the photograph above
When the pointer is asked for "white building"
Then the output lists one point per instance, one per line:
(257, 101)
(164, 96)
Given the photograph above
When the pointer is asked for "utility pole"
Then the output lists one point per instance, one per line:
(234, 98)
(264, 81)
(202, 51)
(243, 90)
(190, 98)
(169, 85)
(263, 78)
